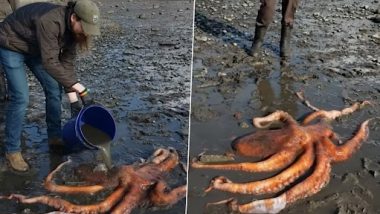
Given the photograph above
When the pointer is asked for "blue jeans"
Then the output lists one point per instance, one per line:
(18, 92)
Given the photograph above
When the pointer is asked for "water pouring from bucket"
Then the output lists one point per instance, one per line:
(93, 128)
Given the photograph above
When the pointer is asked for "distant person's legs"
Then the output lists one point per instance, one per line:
(288, 11)
(264, 18)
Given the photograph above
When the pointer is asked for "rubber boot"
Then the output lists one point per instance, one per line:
(285, 43)
(258, 40)
(55, 141)
(56, 145)
(17, 162)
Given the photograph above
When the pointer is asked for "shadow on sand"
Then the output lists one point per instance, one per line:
(228, 33)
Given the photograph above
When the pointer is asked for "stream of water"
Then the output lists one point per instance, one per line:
(99, 139)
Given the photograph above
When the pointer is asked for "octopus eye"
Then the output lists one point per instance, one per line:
(172, 150)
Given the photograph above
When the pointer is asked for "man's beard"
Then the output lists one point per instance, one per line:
(82, 41)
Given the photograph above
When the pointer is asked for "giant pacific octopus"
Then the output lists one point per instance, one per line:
(133, 185)
(297, 150)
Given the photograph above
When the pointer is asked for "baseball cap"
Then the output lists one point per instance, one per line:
(88, 11)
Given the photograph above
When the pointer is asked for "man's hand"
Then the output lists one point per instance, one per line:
(75, 109)
(86, 98)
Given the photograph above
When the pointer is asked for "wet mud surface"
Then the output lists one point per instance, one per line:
(335, 62)
(139, 69)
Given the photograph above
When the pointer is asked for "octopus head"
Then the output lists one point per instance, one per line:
(258, 144)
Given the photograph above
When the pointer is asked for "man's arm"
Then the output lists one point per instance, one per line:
(61, 70)
(47, 37)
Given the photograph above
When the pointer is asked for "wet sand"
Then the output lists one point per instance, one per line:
(335, 62)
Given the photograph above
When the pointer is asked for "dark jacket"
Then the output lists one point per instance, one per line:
(42, 29)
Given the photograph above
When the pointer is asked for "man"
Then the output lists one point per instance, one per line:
(265, 17)
(5, 10)
(43, 36)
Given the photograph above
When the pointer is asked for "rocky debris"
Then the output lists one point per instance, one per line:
(244, 125)
(350, 178)
(372, 167)
(206, 158)
(238, 115)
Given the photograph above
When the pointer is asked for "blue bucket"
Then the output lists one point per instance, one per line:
(95, 116)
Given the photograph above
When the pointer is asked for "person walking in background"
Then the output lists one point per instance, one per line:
(265, 17)
(44, 36)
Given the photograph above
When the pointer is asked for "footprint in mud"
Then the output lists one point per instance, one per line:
(372, 167)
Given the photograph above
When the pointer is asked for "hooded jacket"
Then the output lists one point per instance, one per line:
(43, 29)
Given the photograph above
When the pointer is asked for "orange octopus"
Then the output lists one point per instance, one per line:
(134, 185)
(294, 148)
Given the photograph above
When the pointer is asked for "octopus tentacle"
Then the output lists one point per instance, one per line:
(345, 151)
(160, 155)
(316, 181)
(162, 196)
(311, 185)
(170, 162)
(51, 186)
(333, 114)
(265, 122)
(131, 200)
(66, 206)
(301, 96)
(275, 162)
(271, 205)
(270, 185)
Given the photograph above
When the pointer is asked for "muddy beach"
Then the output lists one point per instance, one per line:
(335, 62)
(139, 68)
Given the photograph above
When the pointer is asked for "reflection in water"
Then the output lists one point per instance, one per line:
(277, 94)
(265, 92)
